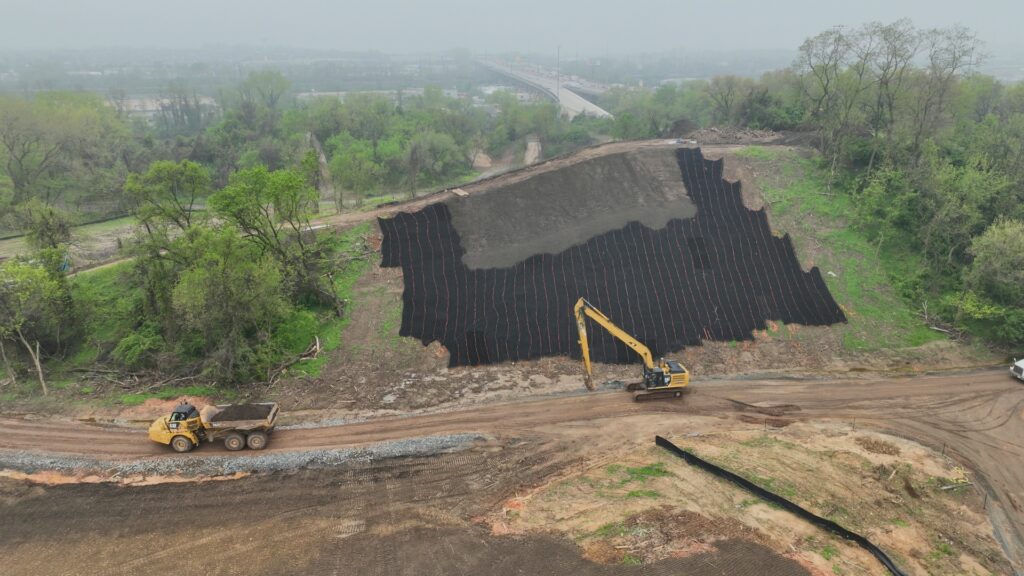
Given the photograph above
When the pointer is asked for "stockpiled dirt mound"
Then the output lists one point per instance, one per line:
(242, 412)
(718, 275)
(556, 210)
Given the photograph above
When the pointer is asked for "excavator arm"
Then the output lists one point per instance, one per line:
(585, 309)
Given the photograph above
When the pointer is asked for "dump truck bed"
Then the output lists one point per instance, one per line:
(248, 417)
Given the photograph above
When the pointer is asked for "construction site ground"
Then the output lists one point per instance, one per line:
(559, 481)
(558, 485)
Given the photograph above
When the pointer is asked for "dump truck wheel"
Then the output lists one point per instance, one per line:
(234, 441)
(256, 441)
(181, 444)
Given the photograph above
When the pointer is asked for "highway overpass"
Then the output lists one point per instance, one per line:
(572, 103)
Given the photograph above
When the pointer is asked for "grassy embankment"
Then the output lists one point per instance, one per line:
(859, 273)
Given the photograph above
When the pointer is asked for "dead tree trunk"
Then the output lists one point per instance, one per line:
(7, 363)
(34, 353)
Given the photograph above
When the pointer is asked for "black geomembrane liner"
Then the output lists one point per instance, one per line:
(717, 276)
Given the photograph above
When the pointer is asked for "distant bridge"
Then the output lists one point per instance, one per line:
(572, 103)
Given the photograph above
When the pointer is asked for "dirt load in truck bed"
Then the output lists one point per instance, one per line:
(242, 412)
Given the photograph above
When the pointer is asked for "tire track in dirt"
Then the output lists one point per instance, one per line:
(976, 417)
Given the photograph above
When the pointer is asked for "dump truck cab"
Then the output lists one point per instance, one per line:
(1017, 369)
(182, 429)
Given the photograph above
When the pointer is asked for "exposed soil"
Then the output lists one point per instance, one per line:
(643, 505)
(976, 417)
(242, 412)
(555, 210)
(409, 516)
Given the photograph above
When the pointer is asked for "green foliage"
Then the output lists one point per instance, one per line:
(643, 494)
(829, 552)
(58, 143)
(229, 299)
(166, 195)
(349, 247)
(998, 266)
(137, 349)
(33, 304)
(864, 271)
(46, 227)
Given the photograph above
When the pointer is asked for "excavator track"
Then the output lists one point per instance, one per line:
(646, 395)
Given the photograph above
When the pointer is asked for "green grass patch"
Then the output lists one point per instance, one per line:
(748, 502)
(135, 399)
(941, 550)
(829, 552)
(756, 153)
(859, 273)
(611, 530)
(780, 487)
(639, 473)
(108, 306)
(643, 494)
(330, 329)
(630, 560)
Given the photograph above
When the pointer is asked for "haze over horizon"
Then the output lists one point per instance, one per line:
(591, 28)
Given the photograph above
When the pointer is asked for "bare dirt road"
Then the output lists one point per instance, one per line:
(975, 417)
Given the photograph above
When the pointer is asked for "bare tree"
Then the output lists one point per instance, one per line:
(725, 92)
(819, 64)
(951, 52)
(898, 45)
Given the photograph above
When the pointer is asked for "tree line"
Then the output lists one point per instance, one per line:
(931, 150)
(226, 277)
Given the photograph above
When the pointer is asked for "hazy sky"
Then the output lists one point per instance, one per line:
(591, 27)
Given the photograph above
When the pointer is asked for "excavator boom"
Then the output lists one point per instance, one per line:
(670, 377)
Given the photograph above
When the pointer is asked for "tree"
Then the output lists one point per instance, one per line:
(434, 154)
(32, 302)
(273, 210)
(367, 117)
(726, 93)
(46, 227)
(951, 52)
(230, 297)
(46, 139)
(997, 270)
(166, 195)
(956, 203)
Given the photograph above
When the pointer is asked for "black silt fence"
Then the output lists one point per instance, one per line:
(800, 511)
(717, 276)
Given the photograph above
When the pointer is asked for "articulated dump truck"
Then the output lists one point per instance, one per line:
(238, 425)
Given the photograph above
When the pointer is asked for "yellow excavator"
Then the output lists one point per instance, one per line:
(666, 379)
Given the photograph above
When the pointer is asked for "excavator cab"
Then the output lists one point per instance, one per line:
(667, 374)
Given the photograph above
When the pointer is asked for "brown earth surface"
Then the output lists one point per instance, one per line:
(974, 418)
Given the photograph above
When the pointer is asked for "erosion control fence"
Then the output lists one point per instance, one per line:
(719, 275)
(800, 511)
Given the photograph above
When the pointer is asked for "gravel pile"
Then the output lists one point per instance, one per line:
(198, 465)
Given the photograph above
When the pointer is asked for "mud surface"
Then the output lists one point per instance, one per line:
(553, 211)
(409, 516)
